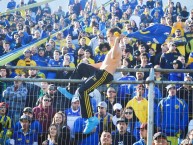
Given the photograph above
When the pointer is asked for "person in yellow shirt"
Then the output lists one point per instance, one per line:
(87, 57)
(139, 104)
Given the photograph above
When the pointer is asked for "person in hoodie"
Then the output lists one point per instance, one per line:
(41, 59)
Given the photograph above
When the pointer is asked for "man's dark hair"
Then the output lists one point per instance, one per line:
(113, 30)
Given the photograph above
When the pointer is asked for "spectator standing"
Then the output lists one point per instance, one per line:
(25, 135)
(73, 113)
(139, 104)
(15, 96)
(172, 115)
(104, 117)
(35, 125)
(110, 99)
(117, 108)
(44, 113)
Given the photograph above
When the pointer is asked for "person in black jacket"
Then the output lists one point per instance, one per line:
(122, 137)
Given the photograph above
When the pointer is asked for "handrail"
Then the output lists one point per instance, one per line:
(5, 59)
(26, 7)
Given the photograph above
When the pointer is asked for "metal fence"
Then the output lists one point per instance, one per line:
(33, 92)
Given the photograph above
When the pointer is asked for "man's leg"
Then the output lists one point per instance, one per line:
(101, 77)
(82, 70)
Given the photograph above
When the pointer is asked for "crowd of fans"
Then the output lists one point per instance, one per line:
(38, 113)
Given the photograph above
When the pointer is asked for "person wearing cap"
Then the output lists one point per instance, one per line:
(168, 57)
(25, 135)
(35, 125)
(176, 76)
(170, 112)
(73, 113)
(139, 104)
(121, 136)
(117, 108)
(160, 138)
(15, 96)
(104, 117)
(143, 135)
(106, 138)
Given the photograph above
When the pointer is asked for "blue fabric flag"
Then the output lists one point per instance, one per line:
(157, 33)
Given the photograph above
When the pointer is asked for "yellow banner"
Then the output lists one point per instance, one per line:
(26, 7)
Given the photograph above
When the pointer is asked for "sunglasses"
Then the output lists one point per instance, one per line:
(129, 113)
(117, 110)
(111, 91)
(101, 107)
(47, 100)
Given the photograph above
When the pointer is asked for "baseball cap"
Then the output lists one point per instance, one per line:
(28, 109)
(51, 87)
(74, 99)
(117, 106)
(143, 126)
(48, 44)
(102, 104)
(170, 86)
(25, 117)
(121, 120)
(137, 53)
(159, 135)
(41, 48)
(4, 104)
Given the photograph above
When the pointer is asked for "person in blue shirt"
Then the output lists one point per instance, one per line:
(143, 135)
(158, 9)
(176, 76)
(11, 5)
(35, 125)
(56, 62)
(84, 139)
(41, 59)
(25, 136)
(172, 115)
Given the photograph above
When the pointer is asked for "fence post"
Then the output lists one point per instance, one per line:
(150, 107)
